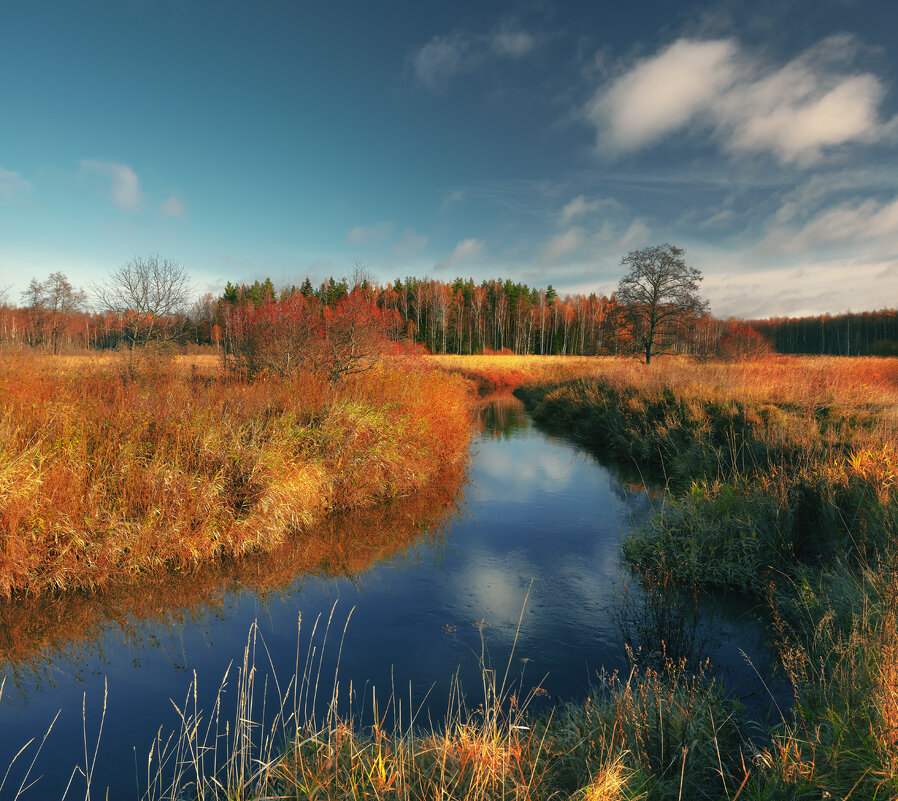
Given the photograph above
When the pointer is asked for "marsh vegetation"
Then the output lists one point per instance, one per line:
(778, 482)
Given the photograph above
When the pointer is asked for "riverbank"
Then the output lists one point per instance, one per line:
(782, 478)
(109, 477)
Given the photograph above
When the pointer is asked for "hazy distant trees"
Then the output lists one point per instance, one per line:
(149, 301)
(50, 306)
(660, 299)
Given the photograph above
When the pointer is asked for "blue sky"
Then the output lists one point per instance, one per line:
(533, 140)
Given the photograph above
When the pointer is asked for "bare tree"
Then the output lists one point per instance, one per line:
(148, 294)
(659, 298)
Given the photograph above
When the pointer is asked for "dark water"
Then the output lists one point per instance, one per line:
(423, 584)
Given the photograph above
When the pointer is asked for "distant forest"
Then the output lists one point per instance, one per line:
(458, 317)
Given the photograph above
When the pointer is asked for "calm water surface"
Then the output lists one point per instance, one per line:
(535, 512)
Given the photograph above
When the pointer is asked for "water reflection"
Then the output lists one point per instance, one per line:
(37, 632)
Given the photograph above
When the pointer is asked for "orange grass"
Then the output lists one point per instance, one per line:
(498, 372)
(104, 478)
(806, 381)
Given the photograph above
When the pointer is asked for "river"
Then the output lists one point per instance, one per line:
(534, 517)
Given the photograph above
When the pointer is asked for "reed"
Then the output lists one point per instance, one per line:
(649, 736)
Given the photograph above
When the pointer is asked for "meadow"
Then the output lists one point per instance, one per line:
(781, 484)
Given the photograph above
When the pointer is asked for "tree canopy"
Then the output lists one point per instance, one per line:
(660, 298)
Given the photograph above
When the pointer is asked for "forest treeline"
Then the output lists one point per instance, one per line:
(461, 316)
(872, 333)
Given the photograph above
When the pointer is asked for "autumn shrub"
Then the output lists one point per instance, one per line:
(740, 341)
(299, 333)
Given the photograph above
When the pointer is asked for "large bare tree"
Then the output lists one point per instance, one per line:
(148, 294)
(659, 298)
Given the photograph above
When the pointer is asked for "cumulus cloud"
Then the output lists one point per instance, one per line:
(370, 233)
(12, 186)
(443, 58)
(561, 246)
(172, 207)
(576, 208)
(124, 188)
(856, 223)
(660, 94)
(465, 251)
(796, 111)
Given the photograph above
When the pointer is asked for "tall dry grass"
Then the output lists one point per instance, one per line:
(105, 476)
(501, 372)
(307, 737)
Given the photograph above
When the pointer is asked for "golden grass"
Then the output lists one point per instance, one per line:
(498, 372)
(105, 476)
(804, 380)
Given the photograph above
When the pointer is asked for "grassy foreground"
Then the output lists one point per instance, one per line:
(106, 476)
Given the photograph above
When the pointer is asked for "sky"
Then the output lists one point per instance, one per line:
(536, 141)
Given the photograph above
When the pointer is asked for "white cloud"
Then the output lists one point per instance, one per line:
(12, 186)
(441, 59)
(659, 95)
(410, 244)
(721, 217)
(451, 199)
(577, 207)
(562, 246)
(803, 288)
(511, 41)
(465, 251)
(796, 112)
(858, 224)
(124, 188)
(636, 235)
(444, 57)
(172, 207)
(370, 233)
